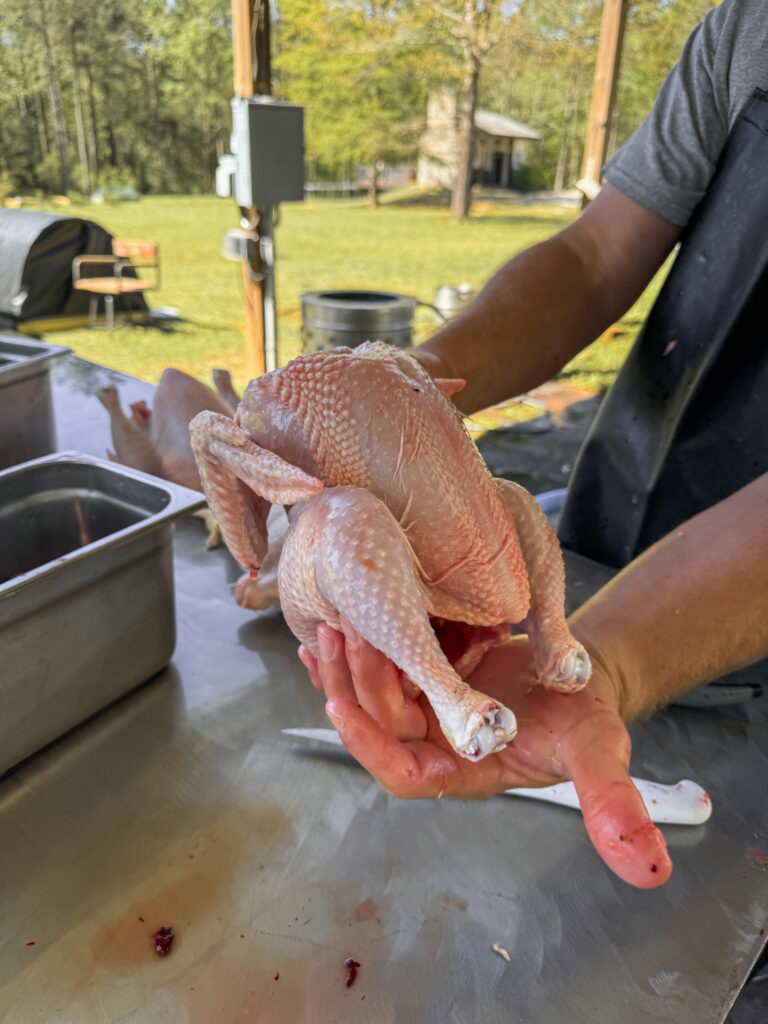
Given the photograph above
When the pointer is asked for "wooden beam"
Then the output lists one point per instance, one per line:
(604, 92)
(252, 74)
(242, 13)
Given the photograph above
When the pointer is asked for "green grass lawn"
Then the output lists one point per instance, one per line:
(323, 244)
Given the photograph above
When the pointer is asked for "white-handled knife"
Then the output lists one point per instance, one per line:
(683, 803)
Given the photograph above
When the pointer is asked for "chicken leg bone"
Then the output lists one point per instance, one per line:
(560, 660)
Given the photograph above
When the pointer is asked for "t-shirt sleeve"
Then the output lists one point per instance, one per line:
(667, 164)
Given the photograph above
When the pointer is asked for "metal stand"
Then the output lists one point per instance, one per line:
(109, 311)
(267, 220)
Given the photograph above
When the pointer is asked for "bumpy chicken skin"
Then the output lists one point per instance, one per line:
(394, 518)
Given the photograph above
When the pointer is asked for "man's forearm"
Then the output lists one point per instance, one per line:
(548, 303)
(689, 609)
(528, 321)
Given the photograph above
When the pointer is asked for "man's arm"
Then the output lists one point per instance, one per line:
(551, 301)
(693, 606)
(689, 609)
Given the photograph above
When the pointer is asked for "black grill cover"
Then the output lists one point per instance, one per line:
(36, 254)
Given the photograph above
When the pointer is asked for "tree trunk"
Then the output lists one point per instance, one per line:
(82, 152)
(41, 126)
(26, 121)
(468, 102)
(24, 112)
(90, 135)
(373, 188)
(157, 162)
(576, 147)
(114, 156)
(563, 154)
(59, 127)
(557, 184)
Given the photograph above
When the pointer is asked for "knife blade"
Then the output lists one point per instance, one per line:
(682, 803)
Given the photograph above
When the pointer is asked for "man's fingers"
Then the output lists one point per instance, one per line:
(353, 670)
(616, 818)
(407, 770)
(379, 689)
(333, 670)
(416, 768)
(307, 658)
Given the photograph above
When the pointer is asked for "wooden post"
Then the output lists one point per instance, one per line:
(252, 75)
(603, 94)
(462, 189)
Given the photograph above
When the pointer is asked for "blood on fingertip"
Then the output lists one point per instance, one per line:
(254, 573)
(654, 868)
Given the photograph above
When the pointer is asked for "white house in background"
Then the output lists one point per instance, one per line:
(500, 146)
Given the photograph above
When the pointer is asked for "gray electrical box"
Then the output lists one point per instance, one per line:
(268, 145)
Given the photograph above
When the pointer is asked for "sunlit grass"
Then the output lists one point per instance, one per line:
(322, 244)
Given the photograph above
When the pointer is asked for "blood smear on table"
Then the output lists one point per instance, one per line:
(758, 857)
(163, 939)
(352, 966)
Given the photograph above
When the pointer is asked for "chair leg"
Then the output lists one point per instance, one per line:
(109, 306)
(93, 310)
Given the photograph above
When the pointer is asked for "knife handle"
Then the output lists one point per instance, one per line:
(684, 803)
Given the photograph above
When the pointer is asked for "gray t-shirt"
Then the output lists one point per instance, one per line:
(666, 166)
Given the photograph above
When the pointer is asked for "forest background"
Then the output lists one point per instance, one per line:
(137, 92)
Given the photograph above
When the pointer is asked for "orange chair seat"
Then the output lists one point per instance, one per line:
(112, 285)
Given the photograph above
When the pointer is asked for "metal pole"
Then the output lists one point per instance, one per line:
(267, 245)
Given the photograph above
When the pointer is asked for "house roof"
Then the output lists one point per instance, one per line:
(497, 124)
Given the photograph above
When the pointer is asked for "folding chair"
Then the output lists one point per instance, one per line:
(116, 274)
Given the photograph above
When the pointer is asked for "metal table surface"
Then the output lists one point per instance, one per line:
(184, 805)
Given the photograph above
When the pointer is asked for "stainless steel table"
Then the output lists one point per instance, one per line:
(184, 806)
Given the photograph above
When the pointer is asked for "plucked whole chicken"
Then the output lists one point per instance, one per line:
(395, 524)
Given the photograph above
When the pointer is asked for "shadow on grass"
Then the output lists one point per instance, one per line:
(511, 214)
(551, 222)
(437, 199)
(441, 198)
(165, 318)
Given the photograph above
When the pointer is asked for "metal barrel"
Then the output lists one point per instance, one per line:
(450, 300)
(334, 318)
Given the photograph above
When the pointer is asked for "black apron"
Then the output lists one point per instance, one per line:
(686, 421)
